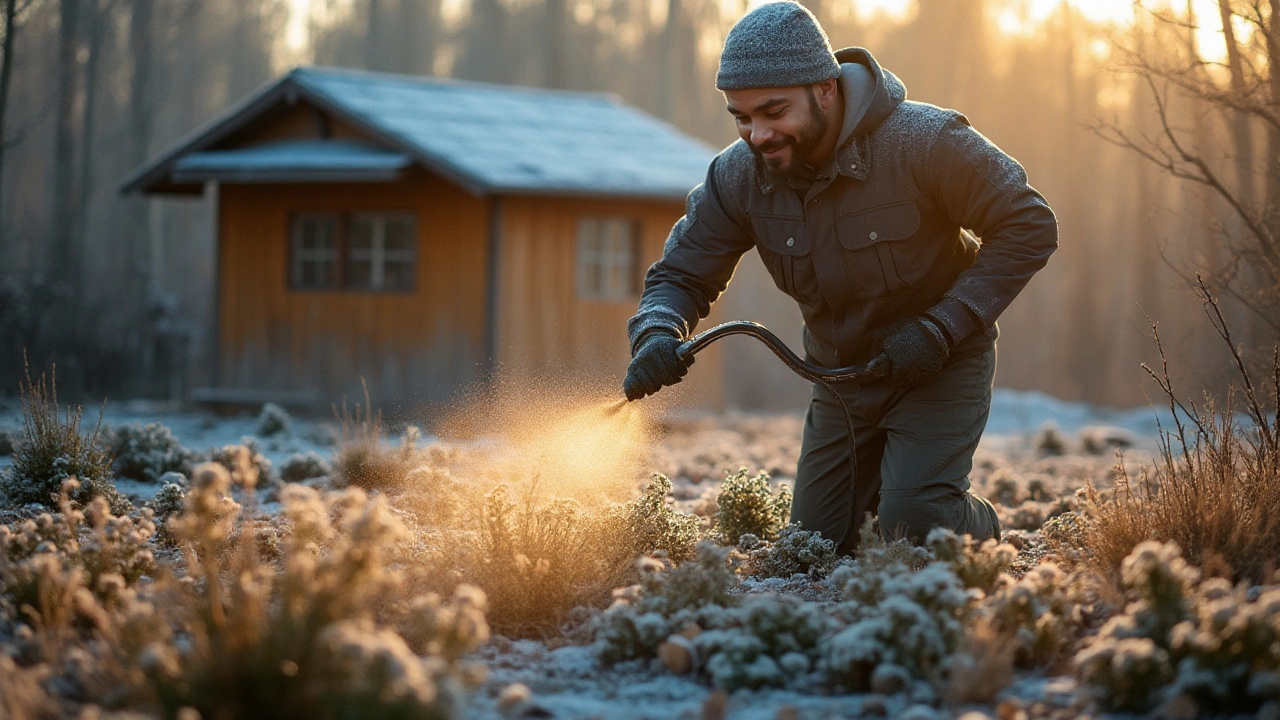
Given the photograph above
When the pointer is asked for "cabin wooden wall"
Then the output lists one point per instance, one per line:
(545, 328)
(412, 348)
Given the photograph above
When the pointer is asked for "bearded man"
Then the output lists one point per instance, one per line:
(858, 201)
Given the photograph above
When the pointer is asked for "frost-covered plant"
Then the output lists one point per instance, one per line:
(913, 619)
(22, 693)
(362, 459)
(52, 449)
(746, 504)
(666, 599)
(648, 524)
(1043, 613)
(795, 551)
(304, 466)
(303, 641)
(978, 565)
(432, 496)
(90, 548)
(766, 641)
(272, 421)
(1208, 643)
(536, 560)
(247, 465)
(1049, 440)
(145, 452)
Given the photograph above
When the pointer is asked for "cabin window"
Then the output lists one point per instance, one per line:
(315, 252)
(380, 252)
(357, 251)
(608, 258)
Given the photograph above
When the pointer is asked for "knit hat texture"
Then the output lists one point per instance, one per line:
(779, 44)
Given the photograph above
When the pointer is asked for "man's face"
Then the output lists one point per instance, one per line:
(783, 126)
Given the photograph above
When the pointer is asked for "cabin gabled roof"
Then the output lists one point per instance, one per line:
(490, 139)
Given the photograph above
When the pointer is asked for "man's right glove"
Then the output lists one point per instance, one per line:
(655, 365)
(914, 352)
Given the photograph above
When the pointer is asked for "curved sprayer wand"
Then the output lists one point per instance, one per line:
(822, 376)
(812, 373)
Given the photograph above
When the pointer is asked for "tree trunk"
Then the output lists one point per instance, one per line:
(62, 270)
(1240, 130)
(557, 35)
(97, 20)
(6, 72)
(1272, 202)
(141, 50)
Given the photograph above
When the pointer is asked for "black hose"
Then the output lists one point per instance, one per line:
(812, 373)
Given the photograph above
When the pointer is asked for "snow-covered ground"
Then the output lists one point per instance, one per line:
(566, 681)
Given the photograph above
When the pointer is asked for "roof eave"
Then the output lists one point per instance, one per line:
(237, 116)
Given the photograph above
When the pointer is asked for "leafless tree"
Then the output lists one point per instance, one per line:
(1243, 94)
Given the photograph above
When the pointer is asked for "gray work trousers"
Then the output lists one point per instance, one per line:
(914, 451)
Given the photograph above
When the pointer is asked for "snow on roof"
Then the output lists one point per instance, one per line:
(488, 138)
(296, 160)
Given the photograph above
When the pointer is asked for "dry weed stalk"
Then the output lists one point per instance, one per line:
(1215, 489)
(52, 449)
(361, 459)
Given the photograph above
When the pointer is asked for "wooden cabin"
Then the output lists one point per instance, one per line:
(427, 234)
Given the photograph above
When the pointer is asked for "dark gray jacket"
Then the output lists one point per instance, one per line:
(875, 239)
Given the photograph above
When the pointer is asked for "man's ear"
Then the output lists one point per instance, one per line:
(827, 92)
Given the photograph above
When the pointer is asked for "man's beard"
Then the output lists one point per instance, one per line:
(803, 143)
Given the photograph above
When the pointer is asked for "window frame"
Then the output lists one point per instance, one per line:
(343, 223)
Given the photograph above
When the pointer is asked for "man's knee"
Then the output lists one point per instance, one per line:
(912, 514)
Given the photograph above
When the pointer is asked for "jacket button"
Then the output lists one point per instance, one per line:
(791, 242)
(875, 235)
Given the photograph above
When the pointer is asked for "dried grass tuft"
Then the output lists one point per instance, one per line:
(1215, 489)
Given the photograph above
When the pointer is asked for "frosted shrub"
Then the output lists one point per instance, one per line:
(272, 421)
(90, 548)
(1207, 645)
(747, 505)
(145, 452)
(53, 449)
(302, 641)
(666, 599)
(648, 524)
(795, 551)
(304, 466)
(766, 641)
(246, 464)
(432, 496)
(978, 565)
(901, 606)
(1043, 613)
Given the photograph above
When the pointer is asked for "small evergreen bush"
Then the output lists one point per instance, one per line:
(747, 505)
(795, 551)
(648, 524)
(145, 452)
(52, 449)
(272, 421)
(304, 466)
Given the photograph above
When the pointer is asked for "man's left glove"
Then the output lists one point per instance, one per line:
(913, 351)
(655, 365)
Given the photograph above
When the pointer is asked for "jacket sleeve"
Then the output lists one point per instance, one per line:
(986, 191)
(697, 262)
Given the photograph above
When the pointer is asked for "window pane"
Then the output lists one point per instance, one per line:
(397, 276)
(360, 274)
(607, 257)
(400, 235)
(313, 253)
(361, 234)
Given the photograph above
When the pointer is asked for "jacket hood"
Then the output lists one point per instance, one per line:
(889, 90)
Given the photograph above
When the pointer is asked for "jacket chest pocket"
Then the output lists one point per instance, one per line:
(784, 247)
(882, 254)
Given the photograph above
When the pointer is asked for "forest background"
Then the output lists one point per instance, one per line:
(117, 290)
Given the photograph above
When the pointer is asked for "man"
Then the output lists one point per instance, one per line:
(855, 199)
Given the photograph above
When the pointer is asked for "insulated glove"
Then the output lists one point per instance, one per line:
(655, 365)
(914, 352)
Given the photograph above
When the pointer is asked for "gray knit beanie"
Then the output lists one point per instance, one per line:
(779, 44)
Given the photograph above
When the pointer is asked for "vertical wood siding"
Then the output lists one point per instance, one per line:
(413, 348)
(544, 327)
